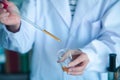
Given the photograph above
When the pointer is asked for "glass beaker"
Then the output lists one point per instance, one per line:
(68, 59)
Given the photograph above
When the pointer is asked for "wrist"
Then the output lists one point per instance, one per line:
(13, 28)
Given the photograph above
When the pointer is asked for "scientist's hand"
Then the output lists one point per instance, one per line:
(78, 63)
(10, 16)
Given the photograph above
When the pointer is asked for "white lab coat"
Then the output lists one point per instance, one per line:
(90, 30)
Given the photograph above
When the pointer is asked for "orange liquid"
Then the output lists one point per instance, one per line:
(65, 69)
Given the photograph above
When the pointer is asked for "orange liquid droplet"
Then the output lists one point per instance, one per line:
(65, 69)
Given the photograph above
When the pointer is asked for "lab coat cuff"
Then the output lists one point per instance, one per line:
(92, 57)
(16, 34)
(97, 56)
(9, 33)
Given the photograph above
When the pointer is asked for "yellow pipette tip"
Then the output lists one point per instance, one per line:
(51, 35)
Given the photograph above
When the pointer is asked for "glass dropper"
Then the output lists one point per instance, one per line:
(38, 27)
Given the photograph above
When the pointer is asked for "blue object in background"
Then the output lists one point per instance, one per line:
(2, 59)
(2, 55)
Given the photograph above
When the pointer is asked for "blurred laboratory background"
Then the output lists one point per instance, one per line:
(14, 66)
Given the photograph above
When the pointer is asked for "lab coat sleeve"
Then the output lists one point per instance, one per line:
(107, 42)
(23, 40)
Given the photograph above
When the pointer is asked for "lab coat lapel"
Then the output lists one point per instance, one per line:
(81, 10)
(62, 6)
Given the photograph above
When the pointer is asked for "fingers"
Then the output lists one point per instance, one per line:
(79, 59)
(4, 18)
(3, 15)
(78, 70)
(77, 66)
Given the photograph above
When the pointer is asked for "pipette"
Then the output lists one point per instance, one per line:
(32, 23)
(38, 27)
